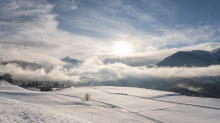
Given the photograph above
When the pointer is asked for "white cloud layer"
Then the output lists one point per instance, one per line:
(94, 70)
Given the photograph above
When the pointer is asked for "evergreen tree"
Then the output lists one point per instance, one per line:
(7, 77)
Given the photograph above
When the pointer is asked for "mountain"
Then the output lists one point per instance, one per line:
(70, 60)
(28, 65)
(194, 58)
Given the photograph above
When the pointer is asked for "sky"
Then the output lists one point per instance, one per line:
(44, 31)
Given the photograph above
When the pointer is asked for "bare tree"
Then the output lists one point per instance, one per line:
(87, 96)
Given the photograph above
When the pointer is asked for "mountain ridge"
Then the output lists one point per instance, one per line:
(28, 65)
(193, 58)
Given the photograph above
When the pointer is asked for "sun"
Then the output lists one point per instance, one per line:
(122, 48)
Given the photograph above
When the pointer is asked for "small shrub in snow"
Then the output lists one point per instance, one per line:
(87, 96)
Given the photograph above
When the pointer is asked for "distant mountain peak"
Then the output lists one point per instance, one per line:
(67, 58)
(70, 60)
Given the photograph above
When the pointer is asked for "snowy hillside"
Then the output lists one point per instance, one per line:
(107, 104)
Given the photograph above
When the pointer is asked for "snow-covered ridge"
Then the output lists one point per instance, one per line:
(194, 58)
(214, 54)
(215, 50)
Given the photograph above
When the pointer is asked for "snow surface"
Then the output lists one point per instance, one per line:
(107, 104)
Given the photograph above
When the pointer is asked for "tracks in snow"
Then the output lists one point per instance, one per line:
(148, 98)
(201, 106)
(115, 106)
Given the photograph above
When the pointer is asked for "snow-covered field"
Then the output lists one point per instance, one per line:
(107, 104)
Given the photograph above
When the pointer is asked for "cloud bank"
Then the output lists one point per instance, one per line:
(94, 70)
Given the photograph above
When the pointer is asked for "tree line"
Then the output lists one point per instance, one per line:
(32, 83)
(37, 83)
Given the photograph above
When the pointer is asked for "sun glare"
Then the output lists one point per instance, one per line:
(122, 48)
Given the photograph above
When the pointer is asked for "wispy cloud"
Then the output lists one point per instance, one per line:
(33, 25)
(65, 5)
(42, 31)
